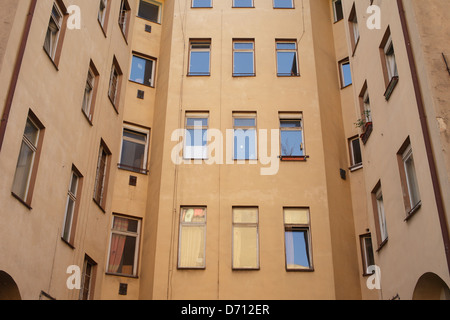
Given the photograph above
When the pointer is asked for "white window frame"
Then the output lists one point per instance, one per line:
(185, 224)
(245, 115)
(391, 62)
(381, 215)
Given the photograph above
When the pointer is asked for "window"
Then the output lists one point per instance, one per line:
(243, 58)
(380, 215)
(355, 153)
(103, 13)
(88, 279)
(283, 4)
(124, 17)
(201, 3)
(391, 64)
(90, 92)
(354, 28)
(390, 70)
(287, 61)
(101, 178)
(27, 164)
(243, 4)
(192, 239)
(297, 239)
(367, 253)
(291, 136)
(408, 177)
(55, 31)
(345, 72)
(124, 247)
(199, 58)
(143, 70)
(150, 10)
(134, 149)
(245, 238)
(196, 136)
(114, 84)
(72, 205)
(337, 10)
(244, 125)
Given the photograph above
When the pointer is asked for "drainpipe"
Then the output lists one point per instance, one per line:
(16, 71)
(426, 135)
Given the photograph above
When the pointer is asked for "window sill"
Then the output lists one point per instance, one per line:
(293, 158)
(193, 74)
(113, 104)
(99, 205)
(367, 132)
(141, 84)
(411, 212)
(300, 270)
(382, 244)
(356, 167)
(156, 22)
(282, 75)
(68, 243)
(244, 75)
(28, 206)
(121, 275)
(390, 88)
(132, 169)
(51, 59)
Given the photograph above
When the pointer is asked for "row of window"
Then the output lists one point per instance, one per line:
(125, 238)
(243, 57)
(410, 188)
(278, 4)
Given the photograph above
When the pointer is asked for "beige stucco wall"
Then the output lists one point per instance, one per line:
(414, 246)
(220, 187)
(32, 250)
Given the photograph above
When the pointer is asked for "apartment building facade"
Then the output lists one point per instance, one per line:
(206, 149)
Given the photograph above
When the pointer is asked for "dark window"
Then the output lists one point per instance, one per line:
(149, 10)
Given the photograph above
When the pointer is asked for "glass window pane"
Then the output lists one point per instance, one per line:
(201, 3)
(243, 3)
(243, 45)
(244, 122)
(74, 184)
(245, 247)
(368, 251)
(356, 149)
(286, 46)
(245, 144)
(149, 11)
(199, 63)
(68, 219)
(141, 71)
(31, 132)
(297, 250)
(122, 254)
(192, 246)
(283, 4)
(135, 135)
(197, 122)
(193, 215)
(287, 63)
(245, 215)
(291, 124)
(292, 143)
(23, 169)
(412, 181)
(296, 216)
(125, 225)
(133, 155)
(243, 63)
(346, 74)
